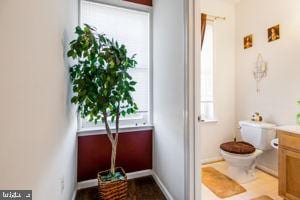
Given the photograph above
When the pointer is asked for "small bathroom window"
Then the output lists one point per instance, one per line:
(207, 63)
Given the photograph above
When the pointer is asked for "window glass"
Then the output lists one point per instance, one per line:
(131, 28)
(207, 62)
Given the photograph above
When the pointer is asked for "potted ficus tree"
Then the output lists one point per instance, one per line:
(103, 92)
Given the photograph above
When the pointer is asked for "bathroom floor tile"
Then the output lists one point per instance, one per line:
(264, 184)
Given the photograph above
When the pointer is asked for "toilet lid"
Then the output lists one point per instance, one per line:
(238, 147)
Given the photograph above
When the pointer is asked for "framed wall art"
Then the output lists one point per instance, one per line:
(273, 33)
(248, 41)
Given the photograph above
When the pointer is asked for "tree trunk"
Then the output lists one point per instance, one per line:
(114, 145)
(113, 140)
(113, 158)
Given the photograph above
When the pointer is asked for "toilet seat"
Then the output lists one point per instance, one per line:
(238, 147)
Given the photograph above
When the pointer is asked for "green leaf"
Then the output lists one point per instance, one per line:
(112, 118)
(132, 83)
(74, 99)
(70, 53)
(78, 30)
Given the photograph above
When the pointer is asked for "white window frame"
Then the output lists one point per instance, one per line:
(141, 8)
(214, 118)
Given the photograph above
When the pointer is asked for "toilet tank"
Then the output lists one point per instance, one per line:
(259, 134)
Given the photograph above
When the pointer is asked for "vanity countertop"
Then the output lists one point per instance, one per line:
(290, 128)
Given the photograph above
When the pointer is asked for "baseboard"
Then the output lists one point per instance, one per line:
(132, 175)
(267, 170)
(139, 174)
(211, 160)
(87, 184)
(162, 187)
(261, 167)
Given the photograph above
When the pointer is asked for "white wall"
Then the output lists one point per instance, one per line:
(168, 94)
(280, 89)
(38, 125)
(214, 134)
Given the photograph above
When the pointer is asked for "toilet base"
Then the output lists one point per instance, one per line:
(242, 175)
(241, 168)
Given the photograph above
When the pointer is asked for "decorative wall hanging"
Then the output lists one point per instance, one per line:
(260, 71)
(248, 41)
(273, 33)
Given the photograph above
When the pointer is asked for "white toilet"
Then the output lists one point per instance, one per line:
(242, 166)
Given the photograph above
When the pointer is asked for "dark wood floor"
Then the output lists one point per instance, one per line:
(138, 189)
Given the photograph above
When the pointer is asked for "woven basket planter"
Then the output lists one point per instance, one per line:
(112, 190)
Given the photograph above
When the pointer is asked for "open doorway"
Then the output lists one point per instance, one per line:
(237, 70)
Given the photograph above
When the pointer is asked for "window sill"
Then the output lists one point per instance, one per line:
(102, 131)
(211, 121)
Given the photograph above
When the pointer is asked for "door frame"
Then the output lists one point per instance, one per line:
(192, 100)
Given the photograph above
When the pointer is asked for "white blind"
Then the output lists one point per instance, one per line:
(207, 59)
(131, 28)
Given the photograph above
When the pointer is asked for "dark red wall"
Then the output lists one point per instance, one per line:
(145, 2)
(134, 153)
